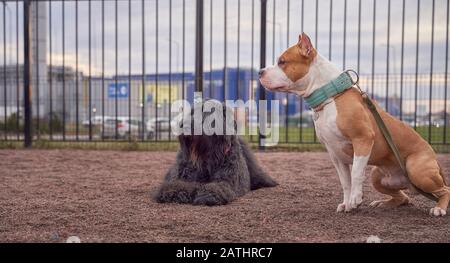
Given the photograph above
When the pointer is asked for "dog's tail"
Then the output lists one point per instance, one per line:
(258, 178)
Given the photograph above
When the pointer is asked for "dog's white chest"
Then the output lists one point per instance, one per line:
(329, 134)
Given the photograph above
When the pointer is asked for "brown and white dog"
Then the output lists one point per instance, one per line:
(350, 134)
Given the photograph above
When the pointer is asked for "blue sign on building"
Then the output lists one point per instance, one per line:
(122, 90)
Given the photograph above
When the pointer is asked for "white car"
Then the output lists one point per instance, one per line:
(97, 120)
(126, 128)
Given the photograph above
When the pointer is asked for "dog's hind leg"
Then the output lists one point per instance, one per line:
(398, 197)
(258, 178)
(425, 173)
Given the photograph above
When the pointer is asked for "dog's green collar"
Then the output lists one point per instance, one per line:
(343, 82)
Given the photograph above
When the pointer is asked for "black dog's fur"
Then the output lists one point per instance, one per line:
(212, 170)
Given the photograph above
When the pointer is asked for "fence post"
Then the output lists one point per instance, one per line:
(262, 64)
(199, 47)
(27, 74)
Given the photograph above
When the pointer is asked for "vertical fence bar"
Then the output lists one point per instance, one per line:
(77, 81)
(262, 61)
(317, 46)
(5, 125)
(199, 47)
(316, 23)
(89, 68)
(430, 108)
(170, 69)
(183, 86)
(359, 38)
(224, 50)
(76, 74)
(27, 74)
(38, 130)
(210, 46)
(252, 56)
(446, 73)
(345, 38)
(103, 70)
(129, 70)
(301, 100)
(238, 50)
(373, 46)
(286, 107)
(64, 69)
(331, 30)
(417, 65)
(17, 73)
(388, 48)
(402, 59)
(142, 104)
(273, 31)
(157, 69)
(50, 68)
(116, 65)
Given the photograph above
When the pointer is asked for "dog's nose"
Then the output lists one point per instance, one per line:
(261, 72)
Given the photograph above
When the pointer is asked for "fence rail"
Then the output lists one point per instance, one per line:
(109, 70)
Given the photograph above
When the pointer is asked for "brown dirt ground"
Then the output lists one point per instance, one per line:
(105, 196)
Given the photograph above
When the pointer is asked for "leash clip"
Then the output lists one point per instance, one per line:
(355, 83)
(348, 71)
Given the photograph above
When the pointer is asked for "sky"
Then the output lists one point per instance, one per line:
(159, 31)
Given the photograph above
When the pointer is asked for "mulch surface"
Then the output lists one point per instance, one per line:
(105, 196)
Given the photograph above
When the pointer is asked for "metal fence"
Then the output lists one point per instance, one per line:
(109, 70)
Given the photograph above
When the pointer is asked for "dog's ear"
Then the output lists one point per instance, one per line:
(304, 45)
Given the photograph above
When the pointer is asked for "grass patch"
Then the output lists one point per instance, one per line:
(167, 146)
(94, 145)
(293, 134)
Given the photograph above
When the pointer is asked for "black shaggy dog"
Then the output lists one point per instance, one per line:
(212, 170)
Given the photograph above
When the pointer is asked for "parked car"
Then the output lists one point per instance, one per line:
(97, 120)
(126, 128)
(162, 123)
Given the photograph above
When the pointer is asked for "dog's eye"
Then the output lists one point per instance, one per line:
(281, 62)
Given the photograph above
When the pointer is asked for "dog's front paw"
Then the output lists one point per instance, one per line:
(340, 208)
(355, 200)
(182, 197)
(209, 199)
(437, 211)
